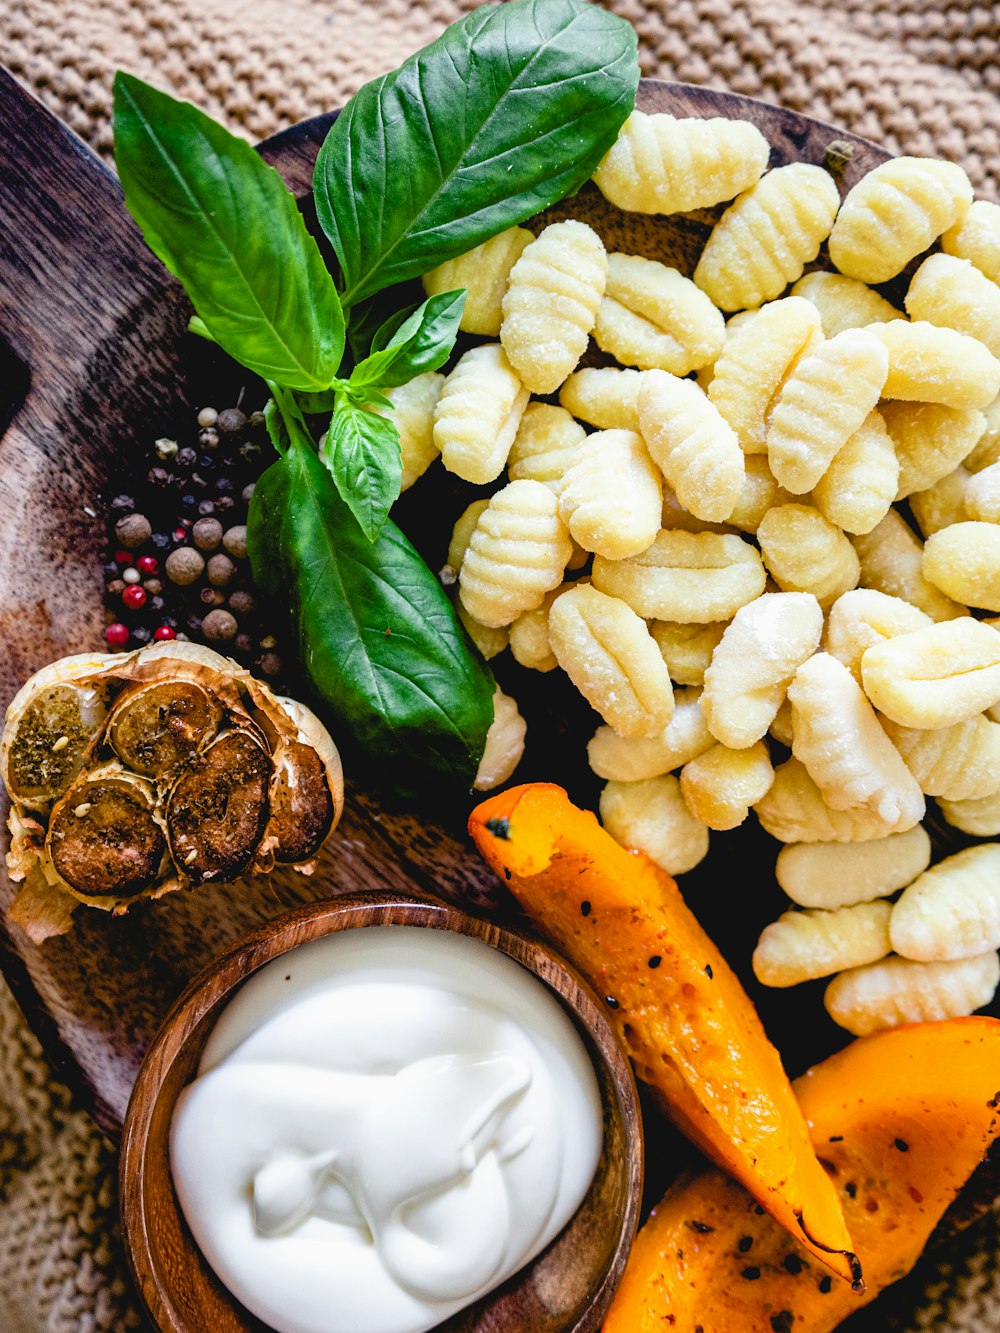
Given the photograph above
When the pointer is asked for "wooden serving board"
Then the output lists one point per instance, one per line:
(94, 365)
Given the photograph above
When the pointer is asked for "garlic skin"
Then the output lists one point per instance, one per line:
(172, 767)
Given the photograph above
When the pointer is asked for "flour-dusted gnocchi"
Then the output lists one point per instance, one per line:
(895, 212)
(982, 495)
(604, 397)
(952, 910)
(529, 634)
(838, 739)
(687, 649)
(781, 724)
(844, 303)
(942, 504)
(764, 645)
(412, 413)
(548, 442)
(759, 493)
(662, 164)
(977, 238)
(483, 272)
(987, 449)
(892, 558)
(461, 535)
(802, 946)
(477, 414)
(653, 317)
(936, 676)
(953, 293)
(930, 441)
(755, 362)
(697, 452)
(491, 640)
(504, 743)
(652, 817)
(611, 658)
(959, 763)
(899, 990)
(794, 811)
(611, 498)
(964, 561)
(551, 302)
(766, 237)
(979, 816)
(632, 759)
(694, 577)
(517, 552)
(928, 364)
(805, 552)
(830, 875)
(864, 616)
(857, 489)
(721, 785)
(824, 401)
(676, 516)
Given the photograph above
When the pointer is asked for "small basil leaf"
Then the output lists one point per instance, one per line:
(361, 451)
(315, 404)
(225, 224)
(512, 108)
(376, 633)
(421, 343)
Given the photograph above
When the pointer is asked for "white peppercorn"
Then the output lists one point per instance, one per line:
(235, 541)
(206, 534)
(220, 570)
(219, 626)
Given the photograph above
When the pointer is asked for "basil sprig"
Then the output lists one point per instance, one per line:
(511, 109)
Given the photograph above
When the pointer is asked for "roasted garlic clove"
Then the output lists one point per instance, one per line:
(157, 726)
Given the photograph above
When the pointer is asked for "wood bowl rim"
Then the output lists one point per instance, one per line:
(203, 998)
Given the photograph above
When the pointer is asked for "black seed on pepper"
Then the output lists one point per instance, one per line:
(826, 1285)
(758, 1210)
(655, 961)
(500, 828)
(852, 1189)
(793, 1264)
(902, 1145)
(708, 971)
(751, 1273)
(611, 1002)
(744, 1244)
(698, 1328)
(585, 908)
(836, 1138)
(506, 872)
(702, 1228)
(782, 1321)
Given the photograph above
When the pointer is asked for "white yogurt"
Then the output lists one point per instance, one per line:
(387, 1123)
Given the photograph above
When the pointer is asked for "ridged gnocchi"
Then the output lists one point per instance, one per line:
(765, 239)
(687, 649)
(829, 875)
(662, 164)
(632, 759)
(977, 238)
(978, 816)
(504, 743)
(891, 558)
(802, 946)
(758, 655)
(477, 414)
(857, 489)
(959, 763)
(928, 364)
(863, 617)
(461, 535)
(844, 303)
(611, 658)
(805, 552)
(964, 561)
(895, 212)
(694, 577)
(721, 785)
(517, 552)
(653, 317)
(794, 811)
(606, 398)
(898, 990)
(611, 498)
(483, 272)
(953, 293)
(551, 302)
(651, 817)
(930, 441)
(548, 442)
(694, 448)
(529, 634)
(952, 910)
(936, 676)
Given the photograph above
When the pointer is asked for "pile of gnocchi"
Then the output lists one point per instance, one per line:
(704, 537)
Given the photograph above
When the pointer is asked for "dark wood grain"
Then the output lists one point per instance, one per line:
(92, 328)
(568, 1287)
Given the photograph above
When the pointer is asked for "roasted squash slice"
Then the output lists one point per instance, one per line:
(900, 1121)
(685, 1019)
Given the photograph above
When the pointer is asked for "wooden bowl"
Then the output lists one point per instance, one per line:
(566, 1289)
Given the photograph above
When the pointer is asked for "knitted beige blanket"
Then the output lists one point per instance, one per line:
(921, 76)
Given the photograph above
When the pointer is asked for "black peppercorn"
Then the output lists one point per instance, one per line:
(231, 421)
(186, 457)
(269, 664)
(225, 485)
(110, 570)
(241, 602)
(224, 503)
(244, 643)
(189, 503)
(206, 463)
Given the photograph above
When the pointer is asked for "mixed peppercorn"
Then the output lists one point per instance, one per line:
(177, 565)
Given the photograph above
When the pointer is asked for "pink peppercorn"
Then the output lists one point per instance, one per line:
(134, 597)
(116, 635)
(147, 564)
(123, 557)
(164, 634)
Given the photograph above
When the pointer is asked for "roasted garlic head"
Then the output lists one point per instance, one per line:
(130, 775)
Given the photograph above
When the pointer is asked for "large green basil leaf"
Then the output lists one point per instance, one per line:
(512, 108)
(376, 633)
(225, 224)
(423, 341)
(362, 453)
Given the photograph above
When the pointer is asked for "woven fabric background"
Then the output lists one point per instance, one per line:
(921, 76)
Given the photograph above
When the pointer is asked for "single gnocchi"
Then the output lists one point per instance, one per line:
(611, 498)
(758, 655)
(606, 398)
(490, 640)
(928, 364)
(979, 816)
(765, 239)
(824, 401)
(891, 557)
(930, 441)
(857, 489)
(652, 818)
(863, 617)
(942, 504)
(504, 743)
(412, 414)
(794, 811)
(952, 910)
(963, 561)
(551, 302)
(694, 448)
(987, 449)
(694, 577)
(632, 759)
(477, 414)
(653, 317)
(802, 946)
(830, 875)
(936, 676)
(461, 535)
(981, 496)
(954, 294)
(895, 212)
(805, 552)
(611, 658)
(844, 303)
(721, 785)
(898, 990)
(483, 272)
(547, 444)
(529, 634)
(959, 763)
(517, 552)
(663, 164)
(687, 649)
(977, 238)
